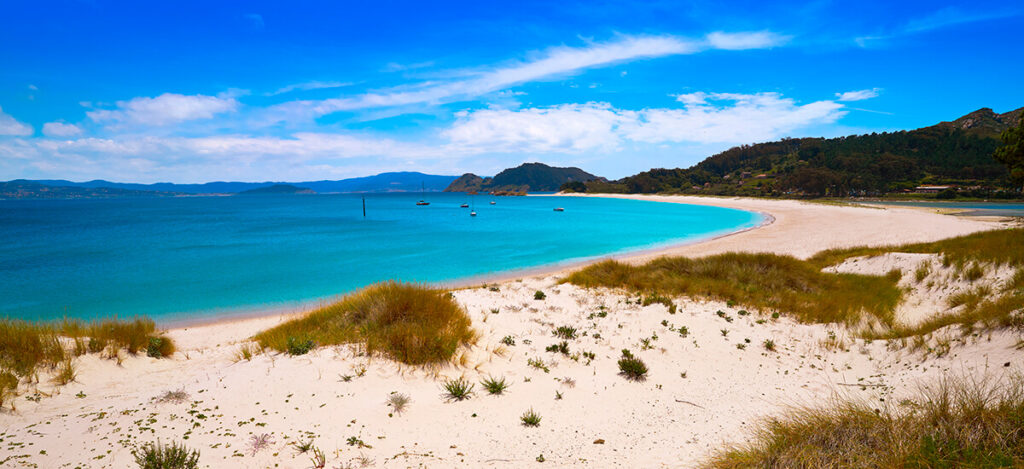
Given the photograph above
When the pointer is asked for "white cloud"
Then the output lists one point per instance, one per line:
(555, 62)
(11, 126)
(308, 86)
(166, 109)
(706, 118)
(858, 95)
(60, 129)
(564, 128)
(746, 40)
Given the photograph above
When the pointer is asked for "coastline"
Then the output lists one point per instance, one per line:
(777, 217)
(712, 373)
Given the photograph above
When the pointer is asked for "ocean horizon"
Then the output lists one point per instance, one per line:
(197, 259)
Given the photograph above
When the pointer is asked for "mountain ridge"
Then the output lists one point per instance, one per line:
(527, 177)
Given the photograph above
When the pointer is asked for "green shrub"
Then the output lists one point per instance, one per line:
(530, 418)
(173, 456)
(457, 389)
(296, 346)
(632, 367)
(159, 347)
(494, 386)
(539, 295)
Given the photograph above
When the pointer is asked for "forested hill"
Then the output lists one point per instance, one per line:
(532, 177)
(958, 153)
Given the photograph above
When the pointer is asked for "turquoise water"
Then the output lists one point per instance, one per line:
(181, 259)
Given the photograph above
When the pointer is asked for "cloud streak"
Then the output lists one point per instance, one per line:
(10, 126)
(553, 63)
(163, 110)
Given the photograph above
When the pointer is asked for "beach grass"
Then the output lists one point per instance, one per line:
(958, 422)
(763, 281)
(994, 247)
(26, 347)
(409, 323)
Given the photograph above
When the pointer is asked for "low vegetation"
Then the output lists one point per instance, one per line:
(764, 281)
(409, 323)
(494, 386)
(27, 348)
(173, 456)
(956, 423)
(632, 367)
(530, 418)
(398, 402)
(457, 389)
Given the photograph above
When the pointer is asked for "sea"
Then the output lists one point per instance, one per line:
(194, 259)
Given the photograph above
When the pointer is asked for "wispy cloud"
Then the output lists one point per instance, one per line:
(942, 18)
(308, 86)
(10, 126)
(858, 95)
(553, 63)
(166, 109)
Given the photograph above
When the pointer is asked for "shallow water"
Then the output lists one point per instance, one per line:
(192, 258)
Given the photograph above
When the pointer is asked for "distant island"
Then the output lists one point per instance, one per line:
(63, 189)
(278, 189)
(528, 177)
(946, 160)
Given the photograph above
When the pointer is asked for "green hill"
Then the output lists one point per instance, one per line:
(528, 177)
(957, 153)
(278, 189)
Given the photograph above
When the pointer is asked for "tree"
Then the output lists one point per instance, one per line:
(1011, 153)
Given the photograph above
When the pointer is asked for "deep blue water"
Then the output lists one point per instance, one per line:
(177, 259)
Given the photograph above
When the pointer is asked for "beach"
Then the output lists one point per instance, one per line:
(706, 388)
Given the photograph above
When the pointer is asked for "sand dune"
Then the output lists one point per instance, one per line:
(706, 387)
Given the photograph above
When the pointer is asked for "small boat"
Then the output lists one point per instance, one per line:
(464, 205)
(559, 209)
(493, 202)
(422, 191)
(472, 213)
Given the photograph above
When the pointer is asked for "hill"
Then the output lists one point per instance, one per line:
(957, 152)
(22, 189)
(384, 182)
(278, 189)
(528, 177)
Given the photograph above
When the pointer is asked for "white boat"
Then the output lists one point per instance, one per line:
(559, 209)
(464, 205)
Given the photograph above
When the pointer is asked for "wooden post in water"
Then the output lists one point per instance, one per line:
(364, 206)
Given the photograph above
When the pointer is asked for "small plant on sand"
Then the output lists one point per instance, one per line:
(561, 347)
(539, 295)
(259, 442)
(769, 345)
(173, 397)
(565, 332)
(173, 456)
(319, 459)
(632, 367)
(684, 331)
(494, 386)
(246, 351)
(725, 332)
(530, 418)
(295, 346)
(538, 364)
(722, 315)
(398, 402)
(303, 447)
(8, 386)
(509, 340)
(922, 271)
(159, 347)
(457, 389)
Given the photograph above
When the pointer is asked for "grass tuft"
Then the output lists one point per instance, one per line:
(173, 456)
(956, 423)
(530, 418)
(398, 402)
(457, 389)
(632, 367)
(494, 386)
(409, 323)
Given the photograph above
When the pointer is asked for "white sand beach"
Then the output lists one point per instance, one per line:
(706, 388)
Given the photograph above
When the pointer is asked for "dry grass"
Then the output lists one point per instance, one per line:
(996, 247)
(409, 323)
(763, 281)
(956, 423)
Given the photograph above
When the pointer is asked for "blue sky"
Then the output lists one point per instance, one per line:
(201, 91)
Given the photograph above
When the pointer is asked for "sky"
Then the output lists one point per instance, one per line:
(306, 90)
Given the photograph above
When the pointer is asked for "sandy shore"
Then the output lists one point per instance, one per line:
(706, 387)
